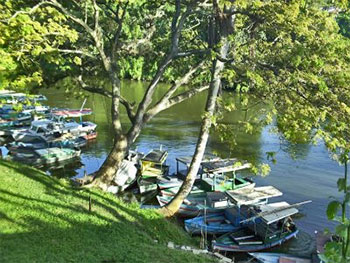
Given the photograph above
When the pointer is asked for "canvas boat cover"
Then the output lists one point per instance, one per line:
(224, 166)
(156, 156)
(186, 160)
(276, 211)
(70, 113)
(248, 196)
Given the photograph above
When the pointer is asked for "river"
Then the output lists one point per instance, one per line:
(302, 172)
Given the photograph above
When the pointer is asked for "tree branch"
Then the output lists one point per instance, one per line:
(176, 28)
(185, 95)
(72, 17)
(165, 99)
(96, 14)
(119, 30)
(128, 106)
(32, 10)
(192, 52)
(173, 101)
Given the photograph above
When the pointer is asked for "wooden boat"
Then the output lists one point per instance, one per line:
(221, 183)
(154, 171)
(185, 161)
(220, 175)
(251, 196)
(232, 216)
(154, 157)
(46, 156)
(152, 167)
(71, 113)
(66, 115)
(12, 97)
(173, 190)
(272, 226)
(147, 184)
(278, 258)
(218, 223)
(194, 205)
(90, 135)
(166, 182)
(47, 128)
(15, 120)
(39, 143)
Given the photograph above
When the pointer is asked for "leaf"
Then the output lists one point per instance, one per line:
(341, 184)
(332, 209)
(341, 230)
(77, 61)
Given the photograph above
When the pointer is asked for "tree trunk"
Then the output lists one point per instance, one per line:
(110, 166)
(171, 208)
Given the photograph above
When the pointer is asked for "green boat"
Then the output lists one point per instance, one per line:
(152, 168)
(220, 175)
(48, 156)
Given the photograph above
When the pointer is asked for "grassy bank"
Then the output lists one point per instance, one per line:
(43, 219)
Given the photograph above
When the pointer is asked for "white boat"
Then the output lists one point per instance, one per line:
(49, 129)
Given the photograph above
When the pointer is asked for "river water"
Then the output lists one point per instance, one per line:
(302, 172)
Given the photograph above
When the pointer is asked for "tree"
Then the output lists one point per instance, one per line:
(225, 20)
(90, 38)
(288, 54)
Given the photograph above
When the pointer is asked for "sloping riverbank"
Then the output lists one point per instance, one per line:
(43, 219)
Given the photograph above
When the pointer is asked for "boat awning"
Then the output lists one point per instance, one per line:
(248, 196)
(186, 160)
(277, 211)
(156, 156)
(68, 113)
(224, 165)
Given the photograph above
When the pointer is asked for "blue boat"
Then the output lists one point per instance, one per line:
(218, 223)
(271, 227)
(194, 205)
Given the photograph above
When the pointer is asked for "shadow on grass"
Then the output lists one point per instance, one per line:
(43, 219)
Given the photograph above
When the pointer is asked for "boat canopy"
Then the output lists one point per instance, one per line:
(70, 113)
(224, 166)
(248, 196)
(186, 160)
(276, 211)
(155, 156)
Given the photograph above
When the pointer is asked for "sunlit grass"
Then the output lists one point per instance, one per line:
(43, 219)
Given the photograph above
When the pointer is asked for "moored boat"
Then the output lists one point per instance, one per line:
(146, 184)
(220, 175)
(194, 205)
(271, 227)
(278, 258)
(46, 156)
(217, 223)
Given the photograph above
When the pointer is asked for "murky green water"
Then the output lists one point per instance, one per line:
(312, 176)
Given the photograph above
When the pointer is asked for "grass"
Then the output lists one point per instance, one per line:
(43, 219)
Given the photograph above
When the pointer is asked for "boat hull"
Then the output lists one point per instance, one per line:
(214, 224)
(217, 246)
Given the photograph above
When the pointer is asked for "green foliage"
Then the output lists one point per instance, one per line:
(332, 209)
(339, 250)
